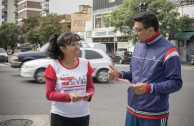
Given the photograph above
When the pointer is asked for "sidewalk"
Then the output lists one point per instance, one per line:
(187, 66)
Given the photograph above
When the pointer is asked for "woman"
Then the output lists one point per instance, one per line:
(69, 83)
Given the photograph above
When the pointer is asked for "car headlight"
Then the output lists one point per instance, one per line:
(27, 66)
(6, 55)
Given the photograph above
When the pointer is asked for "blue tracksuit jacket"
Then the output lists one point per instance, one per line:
(156, 63)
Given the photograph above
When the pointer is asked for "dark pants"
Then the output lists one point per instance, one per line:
(57, 120)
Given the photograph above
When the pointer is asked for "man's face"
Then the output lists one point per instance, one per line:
(140, 32)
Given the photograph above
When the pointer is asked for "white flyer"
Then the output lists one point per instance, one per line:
(81, 96)
(125, 81)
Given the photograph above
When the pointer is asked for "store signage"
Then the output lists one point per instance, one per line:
(123, 39)
(191, 24)
(96, 40)
(104, 39)
(79, 23)
(104, 33)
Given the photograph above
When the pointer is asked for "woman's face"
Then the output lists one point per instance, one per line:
(71, 50)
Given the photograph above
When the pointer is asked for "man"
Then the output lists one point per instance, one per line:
(155, 72)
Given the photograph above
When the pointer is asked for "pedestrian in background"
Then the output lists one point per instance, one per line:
(69, 83)
(155, 72)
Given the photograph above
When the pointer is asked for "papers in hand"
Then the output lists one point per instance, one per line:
(125, 81)
(83, 96)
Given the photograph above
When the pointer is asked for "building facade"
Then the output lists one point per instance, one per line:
(7, 10)
(79, 19)
(26, 8)
(185, 39)
(101, 34)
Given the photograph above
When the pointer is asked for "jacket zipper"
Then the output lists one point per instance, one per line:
(140, 77)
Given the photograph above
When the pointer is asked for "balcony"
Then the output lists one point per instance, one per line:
(15, 2)
(15, 11)
(4, 2)
(4, 17)
(4, 9)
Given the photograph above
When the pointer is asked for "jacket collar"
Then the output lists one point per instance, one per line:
(154, 38)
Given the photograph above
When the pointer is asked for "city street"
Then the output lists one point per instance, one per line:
(23, 98)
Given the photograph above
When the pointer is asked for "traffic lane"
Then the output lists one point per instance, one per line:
(108, 106)
(19, 95)
(182, 102)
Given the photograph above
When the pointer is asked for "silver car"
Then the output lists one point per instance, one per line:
(98, 59)
(3, 55)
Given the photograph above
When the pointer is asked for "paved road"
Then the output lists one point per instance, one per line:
(22, 98)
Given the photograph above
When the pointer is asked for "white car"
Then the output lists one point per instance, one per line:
(98, 59)
(3, 55)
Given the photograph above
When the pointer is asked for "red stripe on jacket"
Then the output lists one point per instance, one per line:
(168, 52)
(148, 117)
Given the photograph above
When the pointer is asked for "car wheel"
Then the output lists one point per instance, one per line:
(121, 61)
(102, 76)
(39, 76)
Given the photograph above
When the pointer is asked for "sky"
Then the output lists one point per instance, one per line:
(67, 6)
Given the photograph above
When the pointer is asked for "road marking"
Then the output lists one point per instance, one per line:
(4, 64)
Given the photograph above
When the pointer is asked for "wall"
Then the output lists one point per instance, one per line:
(78, 21)
(1, 12)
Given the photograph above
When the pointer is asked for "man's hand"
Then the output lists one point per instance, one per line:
(113, 74)
(139, 88)
(74, 97)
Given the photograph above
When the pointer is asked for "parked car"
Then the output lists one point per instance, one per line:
(191, 57)
(19, 58)
(122, 56)
(3, 55)
(98, 59)
(111, 55)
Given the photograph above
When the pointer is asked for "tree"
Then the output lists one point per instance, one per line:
(122, 17)
(29, 29)
(48, 26)
(9, 35)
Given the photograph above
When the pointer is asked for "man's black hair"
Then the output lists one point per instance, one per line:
(148, 19)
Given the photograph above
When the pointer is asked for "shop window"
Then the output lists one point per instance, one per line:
(98, 22)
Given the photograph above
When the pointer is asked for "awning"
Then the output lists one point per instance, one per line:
(183, 35)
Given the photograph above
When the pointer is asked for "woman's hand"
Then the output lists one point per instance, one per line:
(74, 97)
(86, 96)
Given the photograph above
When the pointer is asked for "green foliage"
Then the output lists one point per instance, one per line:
(122, 17)
(29, 30)
(48, 26)
(9, 35)
(35, 30)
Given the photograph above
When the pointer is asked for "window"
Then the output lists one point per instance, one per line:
(80, 54)
(89, 54)
(98, 21)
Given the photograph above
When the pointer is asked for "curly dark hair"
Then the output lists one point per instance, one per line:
(58, 40)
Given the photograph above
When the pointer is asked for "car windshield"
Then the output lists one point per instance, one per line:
(2, 51)
(44, 47)
(127, 53)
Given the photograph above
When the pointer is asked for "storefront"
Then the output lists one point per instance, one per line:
(185, 42)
